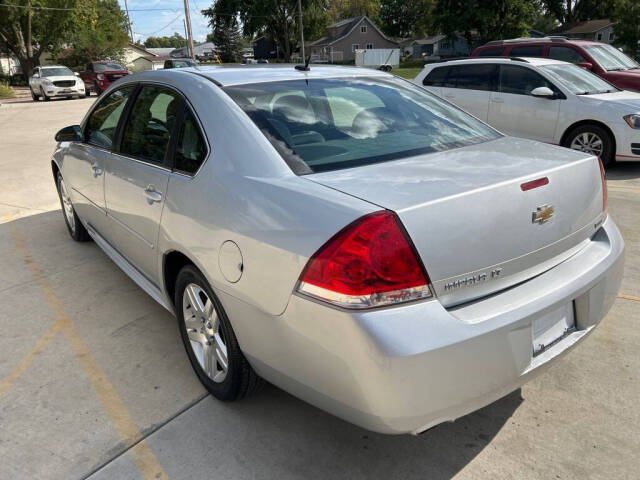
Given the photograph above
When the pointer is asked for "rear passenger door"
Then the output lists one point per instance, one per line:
(514, 111)
(138, 174)
(469, 87)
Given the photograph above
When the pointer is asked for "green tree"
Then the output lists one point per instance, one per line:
(400, 18)
(276, 18)
(226, 36)
(568, 11)
(342, 9)
(483, 20)
(27, 31)
(103, 36)
(174, 41)
(627, 16)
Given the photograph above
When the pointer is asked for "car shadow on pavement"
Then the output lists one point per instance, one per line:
(623, 171)
(273, 433)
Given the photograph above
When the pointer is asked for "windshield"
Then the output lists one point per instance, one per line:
(183, 63)
(610, 58)
(578, 80)
(56, 72)
(329, 124)
(103, 67)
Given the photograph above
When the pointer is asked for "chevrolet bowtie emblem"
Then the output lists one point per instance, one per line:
(543, 214)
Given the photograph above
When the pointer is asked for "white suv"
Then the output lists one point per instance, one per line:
(55, 81)
(541, 99)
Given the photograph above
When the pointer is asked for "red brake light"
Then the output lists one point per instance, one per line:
(534, 184)
(368, 263)
(603, 177)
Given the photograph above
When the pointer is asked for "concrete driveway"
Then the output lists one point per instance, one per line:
(94, 382)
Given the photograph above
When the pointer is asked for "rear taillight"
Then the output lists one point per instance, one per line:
(603, 177)
(369, 263)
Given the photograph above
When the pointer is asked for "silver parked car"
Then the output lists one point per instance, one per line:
(343, 234)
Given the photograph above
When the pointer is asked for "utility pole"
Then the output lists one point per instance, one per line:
(301, 30)
(184, 24)
(126, 7)
(189, 35)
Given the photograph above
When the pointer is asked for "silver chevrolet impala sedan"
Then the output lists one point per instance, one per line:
(343, 234)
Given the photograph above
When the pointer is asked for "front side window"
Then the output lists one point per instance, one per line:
(348, 122)
(150, 124)
(436, 77)
(521, 80)
(472, 77)
(526, 51)
(191, 148)
(565, 54)
(103, 121)
(578, 80)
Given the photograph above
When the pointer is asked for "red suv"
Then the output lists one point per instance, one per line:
(602, 59)
(99, 75)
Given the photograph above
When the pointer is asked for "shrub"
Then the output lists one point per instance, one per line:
(5, 90)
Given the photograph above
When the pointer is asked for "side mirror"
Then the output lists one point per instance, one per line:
(70, 134)
(543, 92)
(76, 74)
(586, 65)
(36, 75)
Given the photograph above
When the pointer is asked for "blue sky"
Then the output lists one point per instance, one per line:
(166, 22)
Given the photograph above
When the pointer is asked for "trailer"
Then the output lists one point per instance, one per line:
(381, 58)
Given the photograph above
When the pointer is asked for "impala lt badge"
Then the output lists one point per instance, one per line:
(543, 214)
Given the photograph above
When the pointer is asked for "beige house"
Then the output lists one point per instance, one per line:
(342, 39)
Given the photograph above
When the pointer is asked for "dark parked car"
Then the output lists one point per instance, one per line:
(99, 75)
(180, 63)
(602, 59)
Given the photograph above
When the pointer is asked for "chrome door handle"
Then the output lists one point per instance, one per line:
(152, 194)
(97, 171)
(497, 100)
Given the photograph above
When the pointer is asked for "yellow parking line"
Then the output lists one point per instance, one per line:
(626, 296)
(120, 417)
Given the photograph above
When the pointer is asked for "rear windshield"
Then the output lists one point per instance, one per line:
(329, 124)
(104, 67)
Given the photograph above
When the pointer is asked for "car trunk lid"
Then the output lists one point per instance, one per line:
(469, 218)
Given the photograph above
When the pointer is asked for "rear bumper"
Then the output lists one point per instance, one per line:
(406, 369)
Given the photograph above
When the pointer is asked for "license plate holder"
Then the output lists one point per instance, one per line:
(552, 327)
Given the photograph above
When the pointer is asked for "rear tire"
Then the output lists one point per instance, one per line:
(74, 225)
(592, 139)
(210, 341)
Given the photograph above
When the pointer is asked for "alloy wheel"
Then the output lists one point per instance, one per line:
(67, 206)
(588, 142)
(204, 332)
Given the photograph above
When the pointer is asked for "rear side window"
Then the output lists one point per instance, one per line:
(471, 77)
(191, 148)
(436, 77)
(566, 54)
(521, 80)
(103, 121)
(491, 52)
(150, 124)
(526, 51)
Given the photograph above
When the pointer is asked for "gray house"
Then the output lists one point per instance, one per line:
(342, 39)
(440, 46)
(594, 30)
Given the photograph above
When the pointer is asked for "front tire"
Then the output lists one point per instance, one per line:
(594, 140)
(74, 225)
(44, 96)
(209, 339)
(96, 88)
(34, 97)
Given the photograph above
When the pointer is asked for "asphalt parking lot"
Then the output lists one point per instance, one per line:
(94, 382)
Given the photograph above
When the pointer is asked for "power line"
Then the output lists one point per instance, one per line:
(160, 29)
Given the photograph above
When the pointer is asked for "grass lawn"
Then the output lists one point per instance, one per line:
(409, 73)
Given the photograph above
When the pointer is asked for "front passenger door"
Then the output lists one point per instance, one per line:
(137, 178)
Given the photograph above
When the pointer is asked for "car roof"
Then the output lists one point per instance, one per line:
(553, 40)
(54, 66)
(535, 61)
(261, 73)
